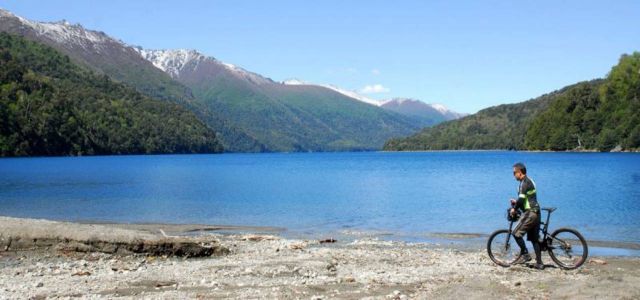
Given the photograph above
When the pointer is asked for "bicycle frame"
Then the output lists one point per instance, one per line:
(566, 246)
(544, 230)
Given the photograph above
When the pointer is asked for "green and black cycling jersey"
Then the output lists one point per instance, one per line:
(527, 199)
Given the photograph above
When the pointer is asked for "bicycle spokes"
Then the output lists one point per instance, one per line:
(568, 249)
(500, 248)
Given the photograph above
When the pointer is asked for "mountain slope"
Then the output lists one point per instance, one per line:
(422, 113)
(123, 63)
(499, 127)
(49, 106)
(282, 117)
(425, 114)
(599, 115)
(594, 117)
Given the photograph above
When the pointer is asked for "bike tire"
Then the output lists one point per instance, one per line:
(501, 252)
(568, 248)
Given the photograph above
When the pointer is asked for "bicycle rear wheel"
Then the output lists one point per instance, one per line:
(567, 248)
(502, 248)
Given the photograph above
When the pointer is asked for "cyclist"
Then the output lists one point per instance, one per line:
(529, 222)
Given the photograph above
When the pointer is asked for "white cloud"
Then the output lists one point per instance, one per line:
(375, 72)
(374, 89)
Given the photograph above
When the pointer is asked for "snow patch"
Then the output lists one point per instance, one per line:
(350, 94)
(170, 61)
(354, 95)
(441, 108)
(173, 62)
(63, 32)
(295, 82)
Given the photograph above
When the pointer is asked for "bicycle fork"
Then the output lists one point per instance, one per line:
(506, 244)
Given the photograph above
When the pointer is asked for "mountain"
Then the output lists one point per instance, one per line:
(498, 127)
(249, 112)
(284, 117)
(602, 114)
(594, 117)
(350, 94)
(426, 114)
(422, 113)
(121, 62)
(51, 106)
(98, 51)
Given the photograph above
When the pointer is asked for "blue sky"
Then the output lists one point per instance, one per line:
(466, 55)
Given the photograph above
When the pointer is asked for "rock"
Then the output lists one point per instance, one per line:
(332, 268)
(81, 273)
(596, 261)
(39, 284)
(258, 238)
(327, 241)
(297, 246)
(349, 279)
(618, 148)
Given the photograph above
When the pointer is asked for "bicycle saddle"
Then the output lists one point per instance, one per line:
(550, 209)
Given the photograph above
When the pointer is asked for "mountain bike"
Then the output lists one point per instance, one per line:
(566, 246)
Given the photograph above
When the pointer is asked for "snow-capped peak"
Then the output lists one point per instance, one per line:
(350, 94)
(399, 101)
(63, 31)
(441, 108)
(170, 61)
(353, 95)
(173, 62)
(295, 81)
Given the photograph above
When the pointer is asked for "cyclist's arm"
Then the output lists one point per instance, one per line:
(522, 194)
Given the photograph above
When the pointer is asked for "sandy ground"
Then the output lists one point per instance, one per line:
(267, 266)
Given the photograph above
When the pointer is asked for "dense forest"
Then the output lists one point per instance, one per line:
(596, 115)
(50, 106)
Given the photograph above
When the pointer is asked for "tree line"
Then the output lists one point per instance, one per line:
(599, 115)
(51, 106)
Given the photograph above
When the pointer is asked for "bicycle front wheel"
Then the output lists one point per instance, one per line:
(567, 248)
(502, 248)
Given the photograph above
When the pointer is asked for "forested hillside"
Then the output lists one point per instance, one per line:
(284, 118)
(599, 117)
(50, 106)
(594, 115)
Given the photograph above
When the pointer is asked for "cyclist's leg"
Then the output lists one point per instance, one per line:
(533, 236)
(518, 233)
(520, 242)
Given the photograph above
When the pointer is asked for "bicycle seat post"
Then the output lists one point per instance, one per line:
(549, 211)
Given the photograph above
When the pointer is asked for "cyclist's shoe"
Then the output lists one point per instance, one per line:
(539, 266)
(522, 259)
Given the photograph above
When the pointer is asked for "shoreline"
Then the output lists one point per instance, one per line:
(467, 240)
(269, 266)
(321, 152)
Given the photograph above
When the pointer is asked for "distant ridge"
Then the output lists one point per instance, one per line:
(423, 113)
(123, 63)
(249, 112)
(596, 115)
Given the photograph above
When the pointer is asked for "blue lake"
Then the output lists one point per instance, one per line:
(403, 194)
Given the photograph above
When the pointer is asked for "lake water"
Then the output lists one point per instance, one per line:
(408, 195)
